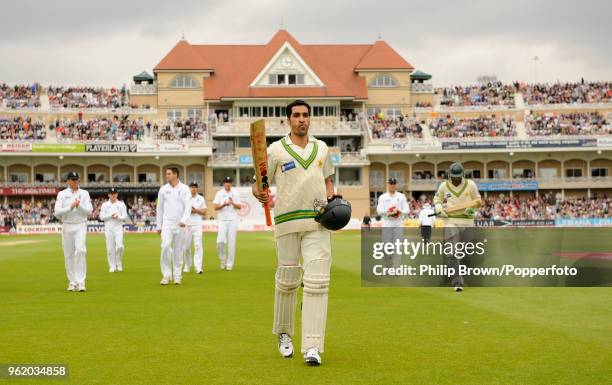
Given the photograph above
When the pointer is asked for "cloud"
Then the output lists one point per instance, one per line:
(105, 43)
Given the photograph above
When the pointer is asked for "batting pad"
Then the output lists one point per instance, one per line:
(285, 298)
(314, 310)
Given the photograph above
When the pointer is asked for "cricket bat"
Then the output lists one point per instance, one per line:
(461, 206)
(259, 149)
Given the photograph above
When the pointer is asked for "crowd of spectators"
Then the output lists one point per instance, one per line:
(569, 93)
(87, 97)
(490, 94)
(190, 129)
(112, 129)
(482, 126)
(20, 96)
(394, 127)
(20, 128)
(546, 206)
(574, 123)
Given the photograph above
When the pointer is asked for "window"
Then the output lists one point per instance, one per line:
(377, 178)
(184, 82)
(196, 176)
(472, 174)
(246, 176)
(224, 146)
(520, 173)
(194, 113)
(398, 175)
(244, 142)
(121, 178)
(599, 172)
(173, 115)
(383, 81)
(318, 111)
(394, 112)
(498, 173)
(219, 175)
(272, 79)
(19, 177)
(548, 173)
(300, 78)
(286, 79)
(280, 79)
(349, 176)
(150, 177)
(330, 111)
(292, 79)
(573, 172)
(243, 112)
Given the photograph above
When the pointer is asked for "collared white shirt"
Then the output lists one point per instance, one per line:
(386, 201)
(197, 202)
(229, 212)
(77, 214)
(108, 209)
(173, 205)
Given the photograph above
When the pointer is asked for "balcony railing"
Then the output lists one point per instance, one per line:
(143, 89)
(280, 126)
(567, 106)
(562, 182)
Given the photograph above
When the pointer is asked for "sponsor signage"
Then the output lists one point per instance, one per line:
(514, 222)
(8, 191)
(578, 222)
(58, 147)
(519, 185)
(124, 190)
(15, 147)
(111, 147)
(516, 144)
(162, 147)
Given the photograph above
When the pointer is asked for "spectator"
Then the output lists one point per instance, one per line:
(482, 126)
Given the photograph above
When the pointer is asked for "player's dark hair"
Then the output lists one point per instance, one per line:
(289, 108)
(174, 170)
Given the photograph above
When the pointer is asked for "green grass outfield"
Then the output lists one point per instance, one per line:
(216, 327)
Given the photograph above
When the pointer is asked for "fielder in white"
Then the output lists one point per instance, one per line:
(114, 213)
(392, 207)
(194, 231)
(227, 203)
(303, 170)
(72, 206)
(173, 210)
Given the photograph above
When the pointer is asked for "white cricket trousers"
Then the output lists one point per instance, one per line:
(194, 234)
(114, 246)
(75, 251)
(172, 241)
(227, 236)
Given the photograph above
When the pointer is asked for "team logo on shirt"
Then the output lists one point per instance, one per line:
(288, 166)
(447, 195)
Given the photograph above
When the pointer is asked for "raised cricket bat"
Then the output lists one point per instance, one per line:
(259, 150)
(461, 206)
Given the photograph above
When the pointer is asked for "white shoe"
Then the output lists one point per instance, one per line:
(199, 271)
(222, 266)
(72, 287)
(177, 281)
(312, 357)
(458, 289)
(165, 281)
(285, 345)
(111, 270)
(186, 270)
(228, 267)
(81, 287)
(119, 268)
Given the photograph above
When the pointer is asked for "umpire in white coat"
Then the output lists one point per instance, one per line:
(72, 206)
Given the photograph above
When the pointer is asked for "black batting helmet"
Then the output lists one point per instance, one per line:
(335, 215)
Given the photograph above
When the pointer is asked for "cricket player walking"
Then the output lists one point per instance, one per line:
(302, 168)
(392, 207)
(194, 231)
(173, 210)
(455, 191)
(114, 213)
(72, 206)
(227, 203)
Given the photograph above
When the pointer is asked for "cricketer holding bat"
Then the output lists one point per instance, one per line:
(72, 206)
(302, 168)
(456, 190)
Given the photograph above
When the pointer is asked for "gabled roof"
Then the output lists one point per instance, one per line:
(143, 76)
(183, 56)
(382, 56)
(235, 67)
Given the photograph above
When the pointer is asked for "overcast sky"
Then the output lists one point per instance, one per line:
(106, 42)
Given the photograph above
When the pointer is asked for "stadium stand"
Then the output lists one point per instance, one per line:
(482, 126)
(574, 123)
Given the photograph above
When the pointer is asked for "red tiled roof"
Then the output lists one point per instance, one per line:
(235, 67)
